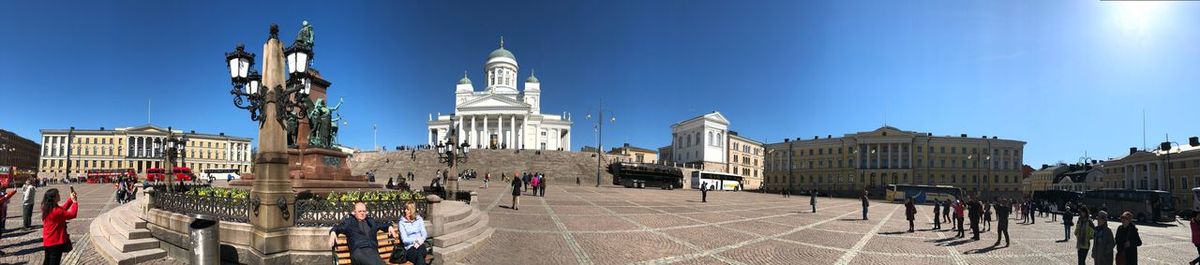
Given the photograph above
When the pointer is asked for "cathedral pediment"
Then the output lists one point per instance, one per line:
(493, 101)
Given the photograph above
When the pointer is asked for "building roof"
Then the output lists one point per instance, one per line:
(741, 138)
(501, 52)
(464, 80)
(715, 115)
(149, 127)
(631, 148)
(1076, 173)
(532, 78)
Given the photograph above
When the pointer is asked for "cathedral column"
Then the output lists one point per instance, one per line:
(512, 132)
(473, 138)
(500, 131)
(487, 135)
(524, 126)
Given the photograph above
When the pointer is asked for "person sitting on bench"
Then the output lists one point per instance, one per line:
(412, 234)
(360, 232)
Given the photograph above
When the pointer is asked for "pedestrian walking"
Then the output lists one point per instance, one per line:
(30, 191)
(987, 215)
(542, 185)
(812, 200)
(1083, 237)
(866, 203)
(525, 179)
(1066, 216)
(910, 213)
(1002, 211)
(958, 218)
(487, 177)
(975, 211)
(516, 192)
(937, 215)
(1128, 240)
(1102, 241)
(533, 183)
(1033, 211)
(946, 213)
(55, 240)
(704, 192)
(1054, 208)
(1195, 224)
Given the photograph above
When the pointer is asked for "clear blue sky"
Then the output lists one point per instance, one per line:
(1065, 76)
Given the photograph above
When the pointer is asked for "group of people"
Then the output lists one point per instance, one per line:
(526, 181)
(360, 229)
(1091, 231)
(126, 189)
(55, 240)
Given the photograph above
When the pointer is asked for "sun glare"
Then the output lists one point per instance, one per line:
(1137, 17)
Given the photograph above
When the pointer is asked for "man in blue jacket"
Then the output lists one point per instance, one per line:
(360, 232)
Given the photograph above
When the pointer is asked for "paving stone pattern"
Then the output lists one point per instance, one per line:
(612, 225)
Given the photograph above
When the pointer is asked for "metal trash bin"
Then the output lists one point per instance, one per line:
(206, 240)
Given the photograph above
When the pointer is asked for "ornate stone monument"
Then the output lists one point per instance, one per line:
(314, 161)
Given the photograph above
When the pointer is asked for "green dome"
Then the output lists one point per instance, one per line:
(464, 80)
(501, 52)
(531, 79)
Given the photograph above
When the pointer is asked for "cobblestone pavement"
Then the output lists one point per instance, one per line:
(25, 246)
(612, 225)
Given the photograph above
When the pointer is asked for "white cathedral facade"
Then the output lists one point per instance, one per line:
(500, 116)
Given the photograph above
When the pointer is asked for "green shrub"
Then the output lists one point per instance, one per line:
(355, 196)
(219, 192)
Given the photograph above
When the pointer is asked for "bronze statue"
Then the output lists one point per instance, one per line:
(305, 37)
(323, 124)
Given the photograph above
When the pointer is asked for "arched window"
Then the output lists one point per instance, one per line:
(710, 139)
(720, 140)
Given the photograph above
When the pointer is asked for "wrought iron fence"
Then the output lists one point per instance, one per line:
(323, 213)
(162, 186)
(224, 209)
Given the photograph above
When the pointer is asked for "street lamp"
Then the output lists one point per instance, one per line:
(979, 171)
(171, 146)
(291, 102)
(452, 153)
(599, 138)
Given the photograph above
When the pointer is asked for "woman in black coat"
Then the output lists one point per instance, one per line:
(516, 191)
(1127, 240)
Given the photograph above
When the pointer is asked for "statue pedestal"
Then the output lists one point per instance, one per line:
(318, 170)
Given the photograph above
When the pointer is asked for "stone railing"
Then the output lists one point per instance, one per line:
(323, 213)
(162, 186)
(225, 209)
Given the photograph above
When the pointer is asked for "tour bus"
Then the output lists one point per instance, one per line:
(221, 173)
(1144, 204)
(1058, 197)
(158, 174)
(640, 175)
(716, 180)
(108, 175)
(922, 193)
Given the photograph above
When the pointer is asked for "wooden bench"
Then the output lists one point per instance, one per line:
(341, 251)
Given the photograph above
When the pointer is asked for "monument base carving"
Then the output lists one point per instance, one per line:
(318, 170)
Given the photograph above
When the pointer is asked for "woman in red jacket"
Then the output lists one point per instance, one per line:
(55, 239)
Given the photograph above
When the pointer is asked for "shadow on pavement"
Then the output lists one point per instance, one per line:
(894, 233)
(983, 250)
(22, 243)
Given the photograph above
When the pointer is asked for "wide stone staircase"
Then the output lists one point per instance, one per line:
(121, 237)
(464, 228)
(560, 167)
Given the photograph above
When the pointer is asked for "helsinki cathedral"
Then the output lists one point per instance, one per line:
(501, 116)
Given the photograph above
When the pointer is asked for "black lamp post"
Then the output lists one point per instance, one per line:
(171, 146)
(70, 137)
(599, 138)
(452, 153)
(291, 102)
(979, 171)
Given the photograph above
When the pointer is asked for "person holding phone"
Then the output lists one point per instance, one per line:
(55, 240)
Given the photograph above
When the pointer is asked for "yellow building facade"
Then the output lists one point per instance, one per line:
(137, 148)
(872, 160)
(746, 160)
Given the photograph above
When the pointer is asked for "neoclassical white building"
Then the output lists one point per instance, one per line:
(501, 116)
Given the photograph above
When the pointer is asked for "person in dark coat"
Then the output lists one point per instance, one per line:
(1002, 211)
(1067, 223)
(946, 213)
(974, 212)
(866, 203)
(704, 192)
(360, 232)
(1128, 240)
(812, 200)
(516, 191)
(937, 215)
(910, 213)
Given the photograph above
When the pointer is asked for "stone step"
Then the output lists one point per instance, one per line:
(458, 236)
(454, 253)
(457, 210)
(466, 222)
(139, 244)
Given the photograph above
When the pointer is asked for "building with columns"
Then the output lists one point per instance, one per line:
(500, 116)
(1175, 169)
(887, 155)
(138, 148)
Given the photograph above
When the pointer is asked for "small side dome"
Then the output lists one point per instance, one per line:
(532, 78)
(464, 80)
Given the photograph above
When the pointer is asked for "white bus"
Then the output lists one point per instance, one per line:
(717, 180)
(220, 174)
